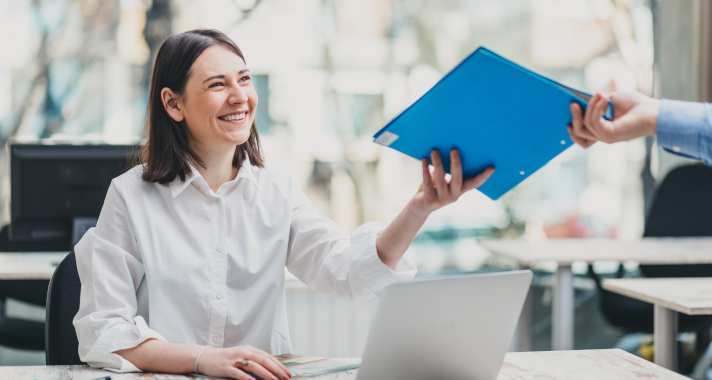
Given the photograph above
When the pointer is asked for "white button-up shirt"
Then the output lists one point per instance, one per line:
(184, 264)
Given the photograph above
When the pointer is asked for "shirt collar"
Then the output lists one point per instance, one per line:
(246, 171)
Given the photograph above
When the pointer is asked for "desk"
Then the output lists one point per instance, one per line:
(566, 251)
(29, 266)
(552, 365)
(691, 296)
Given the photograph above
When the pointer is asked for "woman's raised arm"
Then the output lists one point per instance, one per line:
(434, 192)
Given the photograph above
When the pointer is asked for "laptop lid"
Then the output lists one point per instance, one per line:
(450, 328)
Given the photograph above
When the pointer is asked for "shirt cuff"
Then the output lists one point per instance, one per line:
(120, 337)
(680, 127)
(375, 274)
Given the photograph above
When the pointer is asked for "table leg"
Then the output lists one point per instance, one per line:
(562, 313)
(665, 337)
(522, 341)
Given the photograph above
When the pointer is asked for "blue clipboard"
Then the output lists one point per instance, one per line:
(494, 112)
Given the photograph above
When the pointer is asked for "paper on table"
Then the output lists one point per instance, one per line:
(302, 366)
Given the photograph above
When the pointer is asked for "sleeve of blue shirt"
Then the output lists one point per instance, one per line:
(685, 128)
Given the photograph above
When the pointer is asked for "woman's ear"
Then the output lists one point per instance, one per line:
(171, 104)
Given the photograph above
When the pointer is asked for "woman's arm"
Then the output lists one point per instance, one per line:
(434, 193)
(158, 356)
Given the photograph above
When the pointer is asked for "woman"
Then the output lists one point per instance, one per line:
(198, 236)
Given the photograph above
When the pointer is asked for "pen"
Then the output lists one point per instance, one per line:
(103, 378)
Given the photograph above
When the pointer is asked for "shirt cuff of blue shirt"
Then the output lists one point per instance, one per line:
(680, 126)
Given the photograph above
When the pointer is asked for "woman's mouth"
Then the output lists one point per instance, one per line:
(235, 116)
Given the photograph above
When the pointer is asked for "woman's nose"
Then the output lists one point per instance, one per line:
(237, 95)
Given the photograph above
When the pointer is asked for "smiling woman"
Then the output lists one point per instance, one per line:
(211, 68)
(197, 237)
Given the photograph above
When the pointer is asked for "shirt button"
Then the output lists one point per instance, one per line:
(217, 200)
(218, 295)
(216, 339)
(676, 149)
(218, 247)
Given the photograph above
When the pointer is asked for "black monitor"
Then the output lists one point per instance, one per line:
(57, 191)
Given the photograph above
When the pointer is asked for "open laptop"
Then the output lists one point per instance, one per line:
(451, 328)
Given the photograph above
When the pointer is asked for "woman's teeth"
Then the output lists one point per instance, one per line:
(238, 116)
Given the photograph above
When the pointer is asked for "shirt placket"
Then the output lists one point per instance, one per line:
(218, 302)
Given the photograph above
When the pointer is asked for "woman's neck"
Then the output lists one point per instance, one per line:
(218, 166)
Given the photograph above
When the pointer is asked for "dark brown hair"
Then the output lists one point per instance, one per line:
(167, 152)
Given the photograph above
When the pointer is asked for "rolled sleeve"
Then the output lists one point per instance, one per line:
(377, 275)
(328, 260)
(685, 129)
(110, 275)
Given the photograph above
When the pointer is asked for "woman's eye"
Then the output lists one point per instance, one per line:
(215, 85)
(245, 79)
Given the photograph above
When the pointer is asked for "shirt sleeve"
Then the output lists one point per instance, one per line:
(685, 129)
(330, 261)
(110, 270)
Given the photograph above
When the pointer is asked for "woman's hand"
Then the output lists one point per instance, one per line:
(236, 362)
(635, 115)
(435, 191)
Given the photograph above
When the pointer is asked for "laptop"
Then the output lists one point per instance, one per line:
(446, 329)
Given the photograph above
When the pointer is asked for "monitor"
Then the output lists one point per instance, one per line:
(57, 191)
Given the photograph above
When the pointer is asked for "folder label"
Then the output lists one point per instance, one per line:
(386, 138)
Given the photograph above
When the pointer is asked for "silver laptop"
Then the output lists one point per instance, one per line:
(452, 328)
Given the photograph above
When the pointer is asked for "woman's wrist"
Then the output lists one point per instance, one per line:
(197, 358)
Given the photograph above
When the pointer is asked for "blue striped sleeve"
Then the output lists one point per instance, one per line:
(685, 128)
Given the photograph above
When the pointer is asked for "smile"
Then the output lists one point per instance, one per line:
(237, 116)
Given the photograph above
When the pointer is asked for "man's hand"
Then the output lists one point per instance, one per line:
(634, 115)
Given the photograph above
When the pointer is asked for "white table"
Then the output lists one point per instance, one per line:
(29, 266)
(692, 296)
(551, 365)
(567, 251)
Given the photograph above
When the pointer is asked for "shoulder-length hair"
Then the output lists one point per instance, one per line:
(167, 153)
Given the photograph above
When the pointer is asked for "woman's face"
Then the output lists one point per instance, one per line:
(219, 102)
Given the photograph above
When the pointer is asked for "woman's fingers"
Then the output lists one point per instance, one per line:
(273, 360)
(428, 181)
(577, 121)
(257, 368)
(274, 368)
(455, 173)
(439, 173)
(236, 373)
(478, 180)
(579, 140)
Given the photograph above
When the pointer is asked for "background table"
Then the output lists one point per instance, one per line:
(691, 296)
(567, 251)
(29, 266)
(553, 365)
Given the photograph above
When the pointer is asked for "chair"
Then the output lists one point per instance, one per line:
(62, 305)
(682, 206)
(16, 332)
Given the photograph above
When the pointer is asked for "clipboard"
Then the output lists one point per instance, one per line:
(496, 113)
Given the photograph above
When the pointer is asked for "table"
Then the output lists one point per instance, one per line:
(29, 266)
(567, 251)
(553, 365)
(691, 296)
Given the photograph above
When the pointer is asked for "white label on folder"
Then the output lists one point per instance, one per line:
(387, 138)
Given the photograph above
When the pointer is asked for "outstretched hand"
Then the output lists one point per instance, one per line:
(635, 115)
(436, 191)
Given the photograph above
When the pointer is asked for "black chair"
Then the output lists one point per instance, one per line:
(682, 207)
(62, 305)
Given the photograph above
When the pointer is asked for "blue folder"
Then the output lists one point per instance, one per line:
(494, 112)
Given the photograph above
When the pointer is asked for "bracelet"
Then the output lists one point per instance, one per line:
(198, 358)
